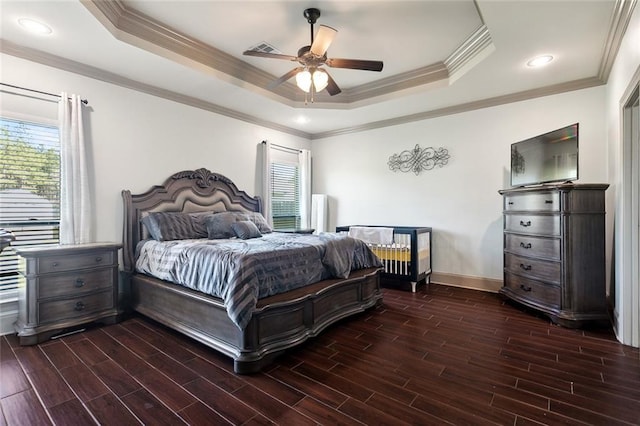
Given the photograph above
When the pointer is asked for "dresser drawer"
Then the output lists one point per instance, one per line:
(533, 246)
(531, 290)
(539, 269)
(80, 261)
(74, 283)
(60, 310)
(533, 224)
(545, 201)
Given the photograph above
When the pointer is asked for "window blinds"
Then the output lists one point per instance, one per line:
(29, 189)
(285, 195)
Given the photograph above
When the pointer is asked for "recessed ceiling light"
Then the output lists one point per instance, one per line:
(301, 119)
(539, 61)
(34, 27)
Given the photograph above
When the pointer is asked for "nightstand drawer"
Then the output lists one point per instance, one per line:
(74, 283)
(538, 269)
(60, 310)
(68, 263)
(533, 246)
(533, 202)
(532, 224)
(545, 294)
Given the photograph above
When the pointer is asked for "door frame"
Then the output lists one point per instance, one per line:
(629, 279)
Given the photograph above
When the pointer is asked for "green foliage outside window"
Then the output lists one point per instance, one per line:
(26, 163)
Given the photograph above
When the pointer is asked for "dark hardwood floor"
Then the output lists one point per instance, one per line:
(443, 355)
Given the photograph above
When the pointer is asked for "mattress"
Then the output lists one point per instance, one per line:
(242, 271)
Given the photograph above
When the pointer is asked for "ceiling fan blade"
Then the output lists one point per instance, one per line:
(355, 64)
(332, 86)
(284, 78)
(269, 55)
(324, 37)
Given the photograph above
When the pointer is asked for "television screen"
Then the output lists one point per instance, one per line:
(551, 157)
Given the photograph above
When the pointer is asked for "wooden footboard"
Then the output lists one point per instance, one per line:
(279, 322)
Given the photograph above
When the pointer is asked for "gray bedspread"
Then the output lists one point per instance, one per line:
(242, 271)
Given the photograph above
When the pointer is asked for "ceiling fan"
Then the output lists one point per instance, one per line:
(309, 76)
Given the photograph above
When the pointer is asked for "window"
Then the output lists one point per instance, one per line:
(29, 190)
(285, 195)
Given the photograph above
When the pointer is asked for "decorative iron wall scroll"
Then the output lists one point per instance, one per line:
(418, 159)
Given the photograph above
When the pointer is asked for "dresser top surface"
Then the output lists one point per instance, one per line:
(555, 187)
(65, 249)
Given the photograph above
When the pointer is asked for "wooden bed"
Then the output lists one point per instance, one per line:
(278, 323)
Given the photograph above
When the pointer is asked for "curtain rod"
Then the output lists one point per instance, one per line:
(84, 101)
(284, 147)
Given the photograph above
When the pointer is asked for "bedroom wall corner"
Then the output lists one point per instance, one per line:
(137, 140)
(460, 200)
(624, 73)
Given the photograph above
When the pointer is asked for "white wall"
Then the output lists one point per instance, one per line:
(460, 200)
(626, 66)
(138, 140)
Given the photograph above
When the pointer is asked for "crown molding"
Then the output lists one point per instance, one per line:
(48, 59)
(470, 53)
(470, 106)
(620, 18)
(137, 29)
(114, 16)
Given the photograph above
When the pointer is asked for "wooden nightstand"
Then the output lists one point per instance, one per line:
(64, 286)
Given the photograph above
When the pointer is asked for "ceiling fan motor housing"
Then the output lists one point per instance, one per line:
(312, 14)
(307, 58)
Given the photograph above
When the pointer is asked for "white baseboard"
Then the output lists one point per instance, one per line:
(8, 315)
(475, 283)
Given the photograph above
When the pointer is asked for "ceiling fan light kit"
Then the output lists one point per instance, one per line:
(310, 78)
(303, 80)
(320, 80)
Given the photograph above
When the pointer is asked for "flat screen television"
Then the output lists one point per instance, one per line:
(548, 158)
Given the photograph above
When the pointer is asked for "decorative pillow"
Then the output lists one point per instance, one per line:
(260, 222)
(246, 229)
(219, 225)
(164, 226)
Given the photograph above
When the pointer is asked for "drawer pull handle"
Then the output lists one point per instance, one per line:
(54, 264)
(525, 267)
(79, 282)
(98, 259)
(79, 306)
(548, 201)
(525, 288)
(510, 203)
(525, 246)
(525, 224)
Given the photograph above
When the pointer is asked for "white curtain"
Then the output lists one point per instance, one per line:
(304, 160)
(75, 210)
(266, 181)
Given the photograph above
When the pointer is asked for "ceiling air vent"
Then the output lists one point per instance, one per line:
(264, 47)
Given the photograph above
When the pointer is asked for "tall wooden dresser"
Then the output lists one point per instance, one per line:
(554, 251)
(64, 286)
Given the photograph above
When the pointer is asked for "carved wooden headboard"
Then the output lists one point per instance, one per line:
(187, 191)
